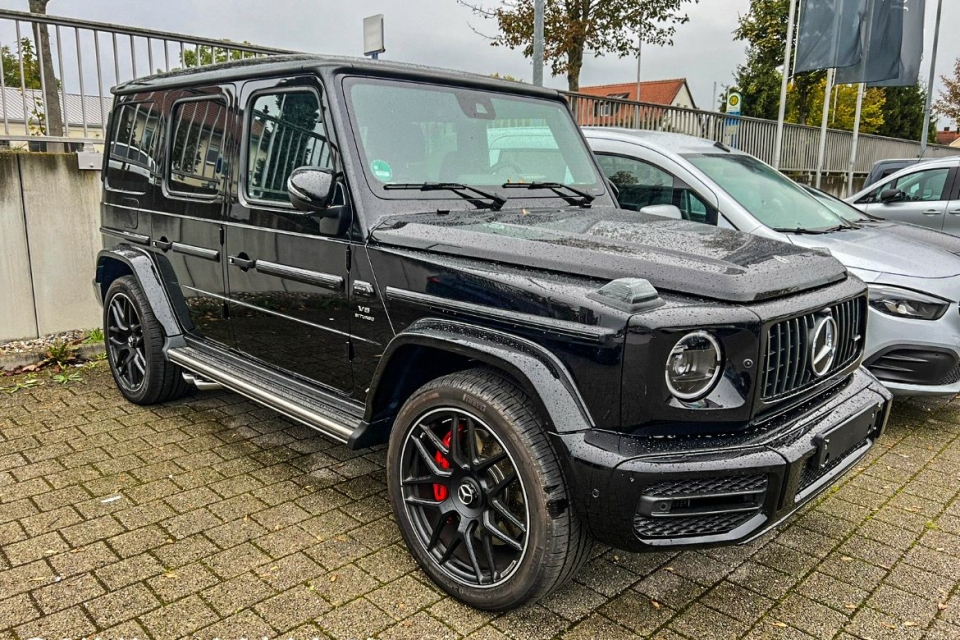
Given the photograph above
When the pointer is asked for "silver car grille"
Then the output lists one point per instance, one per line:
(788, 363)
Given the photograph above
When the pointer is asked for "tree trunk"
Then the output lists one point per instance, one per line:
(574, 64)
(53, 116)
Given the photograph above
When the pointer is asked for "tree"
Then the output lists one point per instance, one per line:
(764, 28)
(53, 120)
(903, 113)
(843, 107)
(11, 66)
(189, 57)
(949, 103)
(574, 28)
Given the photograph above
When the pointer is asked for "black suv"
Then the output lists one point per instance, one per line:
(396, 254)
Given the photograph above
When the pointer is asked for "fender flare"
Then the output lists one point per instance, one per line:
(539, 372)
(139, 264)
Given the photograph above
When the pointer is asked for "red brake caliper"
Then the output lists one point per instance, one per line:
(440, 491)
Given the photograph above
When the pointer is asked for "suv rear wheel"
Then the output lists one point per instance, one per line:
(134, 344)
(478, 492)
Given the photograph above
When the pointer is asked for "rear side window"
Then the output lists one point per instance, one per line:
(284, 132)
(196, 154)
(134, 148)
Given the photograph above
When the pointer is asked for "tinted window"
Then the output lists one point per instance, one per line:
(133, 152)
(285, 132)
(642, 184)
(196, 159)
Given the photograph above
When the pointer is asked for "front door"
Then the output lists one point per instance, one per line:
(187, 221)
(924, 198)
(287, 272)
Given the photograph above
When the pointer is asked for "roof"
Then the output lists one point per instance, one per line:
(670, 143)
(298, 63)
(947, 137)
(653, 92)
(11, 107)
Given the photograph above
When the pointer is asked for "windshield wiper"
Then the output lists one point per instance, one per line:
(579, 198)
(802, 231)
(496, 202)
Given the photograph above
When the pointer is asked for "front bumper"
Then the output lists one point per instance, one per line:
(915, 357)
(643, 493)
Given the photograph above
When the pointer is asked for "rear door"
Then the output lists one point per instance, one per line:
(187, 216)
(924, 201)
(287, 271)
(951, 222)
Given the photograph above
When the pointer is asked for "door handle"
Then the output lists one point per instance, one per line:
(242, 262)
(933, 212)
(955, 212)
(163, 244)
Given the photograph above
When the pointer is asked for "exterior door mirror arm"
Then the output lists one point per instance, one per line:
(891, 195)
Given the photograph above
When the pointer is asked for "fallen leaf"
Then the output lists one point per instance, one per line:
(846, 558)
(942, 606)
(778, 624)
(655, 604)
(909, 623)
(333, 578)
(850, 606)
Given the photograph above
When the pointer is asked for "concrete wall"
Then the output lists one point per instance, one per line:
(49, 239)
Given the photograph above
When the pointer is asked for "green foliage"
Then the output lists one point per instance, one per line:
(29, 383)
(573, 28)
(843, 107)
(61, 353)
(903, 113)
(67, 378)
(209, 55)
(11, 65)
(949, 103)
(506, 77)
(94, 336)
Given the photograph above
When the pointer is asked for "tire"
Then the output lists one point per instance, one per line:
(134, 344)
(451, 502)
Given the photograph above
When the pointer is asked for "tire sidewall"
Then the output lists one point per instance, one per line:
(128, 287)
(526, 578)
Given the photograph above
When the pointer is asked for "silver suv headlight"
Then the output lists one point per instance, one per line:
(694, 366)
(903, 303)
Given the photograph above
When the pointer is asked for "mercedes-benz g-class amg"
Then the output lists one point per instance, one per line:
(430, 260)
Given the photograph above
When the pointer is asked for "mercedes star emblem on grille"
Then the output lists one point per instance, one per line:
(823, 345)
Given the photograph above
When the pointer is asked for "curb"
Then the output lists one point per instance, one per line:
(12, 361)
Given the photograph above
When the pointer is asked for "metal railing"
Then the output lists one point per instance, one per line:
(753, 135)
(65, 97)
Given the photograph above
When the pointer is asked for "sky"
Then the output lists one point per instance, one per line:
(441, 33)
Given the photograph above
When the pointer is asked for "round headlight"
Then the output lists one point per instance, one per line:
(694, 366)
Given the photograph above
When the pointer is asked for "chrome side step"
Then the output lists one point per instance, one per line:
(202, 384)
(311, 412)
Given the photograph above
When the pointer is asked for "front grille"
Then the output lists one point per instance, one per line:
(952, 376)
(812, 472)
(788, 367)
(690, 526)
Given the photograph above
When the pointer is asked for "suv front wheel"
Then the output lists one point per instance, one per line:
(479, 494)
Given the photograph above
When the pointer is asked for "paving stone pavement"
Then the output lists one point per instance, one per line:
(210, 517)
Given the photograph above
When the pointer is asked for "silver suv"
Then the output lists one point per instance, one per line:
(913, 341)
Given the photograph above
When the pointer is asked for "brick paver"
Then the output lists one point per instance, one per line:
(212, 517)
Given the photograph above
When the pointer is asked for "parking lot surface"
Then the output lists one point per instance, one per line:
(211, 517)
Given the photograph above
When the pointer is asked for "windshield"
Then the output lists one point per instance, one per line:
(771, 197)
(412, 133)
(839, 207)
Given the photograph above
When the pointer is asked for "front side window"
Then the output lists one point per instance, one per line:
(285, 132)
(642, 184)
(923, 186)
(132, 151)
(773, 199)
(414, 133)
(196, 155)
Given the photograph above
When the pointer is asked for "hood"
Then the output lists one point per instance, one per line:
(887, 247)
(674, 255)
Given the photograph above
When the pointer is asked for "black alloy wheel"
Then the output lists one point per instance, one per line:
(464, 497)
(125, 341)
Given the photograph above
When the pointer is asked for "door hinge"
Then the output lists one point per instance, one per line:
(349, 346)
(222, 236)
(348, 257)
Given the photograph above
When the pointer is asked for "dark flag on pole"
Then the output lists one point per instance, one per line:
(829, 34)
(892, 45)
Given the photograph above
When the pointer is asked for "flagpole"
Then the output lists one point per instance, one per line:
(787, 58)
(856, 139)
(925, 133)
(823, 125)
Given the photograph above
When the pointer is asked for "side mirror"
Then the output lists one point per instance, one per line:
(663, 210)
(310, 189)
(891, 195)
